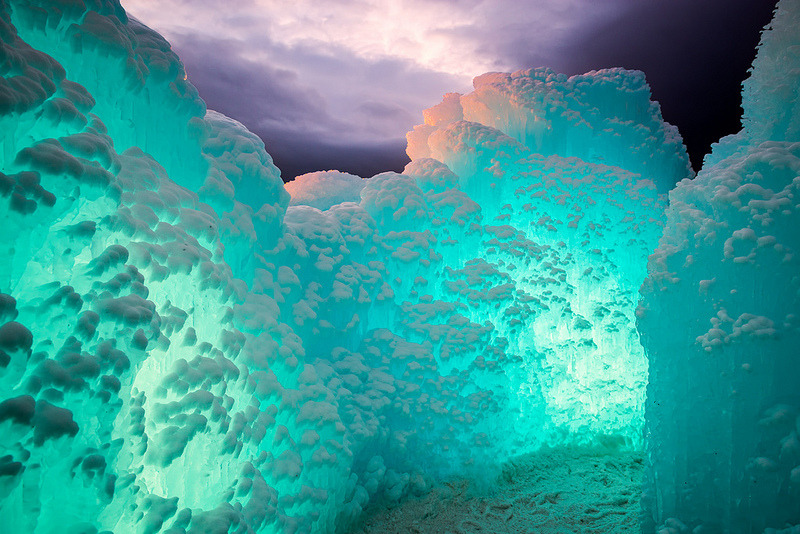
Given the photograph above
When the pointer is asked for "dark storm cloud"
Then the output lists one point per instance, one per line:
(377, 116)
(299, 155)
(331, 76)
(292, 117)
(256, 94)
(289, 116)
(531, 33)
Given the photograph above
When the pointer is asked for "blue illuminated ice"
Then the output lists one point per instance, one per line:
(724, 451)
(188, 345)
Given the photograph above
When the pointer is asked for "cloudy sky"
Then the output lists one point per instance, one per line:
(337, 83)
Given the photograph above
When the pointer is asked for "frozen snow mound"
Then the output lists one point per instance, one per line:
(603, 117)
(325, 189)
(723, 405)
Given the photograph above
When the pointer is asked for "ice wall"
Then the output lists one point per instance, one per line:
(184, 349)
(723, 400)
(598, 222)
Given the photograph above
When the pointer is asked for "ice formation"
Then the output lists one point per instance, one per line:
(185, 346)
(325, 189)
(724, 450)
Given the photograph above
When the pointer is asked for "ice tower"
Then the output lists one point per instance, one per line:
(723, 409)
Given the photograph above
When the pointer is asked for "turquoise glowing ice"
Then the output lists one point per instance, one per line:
(186, 348)
(723, 405)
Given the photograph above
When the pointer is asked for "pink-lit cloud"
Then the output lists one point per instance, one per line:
(372, 65)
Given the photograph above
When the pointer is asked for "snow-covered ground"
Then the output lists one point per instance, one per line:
(554, 491)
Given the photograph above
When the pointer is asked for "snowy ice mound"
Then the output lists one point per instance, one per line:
(602, 117)
(724, 451)
(325, 189)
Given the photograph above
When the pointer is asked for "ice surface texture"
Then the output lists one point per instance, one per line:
(723, 408)
(182, 350)
(185, 348)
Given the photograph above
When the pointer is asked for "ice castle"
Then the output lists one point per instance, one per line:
(188, 345)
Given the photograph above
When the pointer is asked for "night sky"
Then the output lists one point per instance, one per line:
(335, 84)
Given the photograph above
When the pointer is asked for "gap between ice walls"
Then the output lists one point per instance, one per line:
(183, 350)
